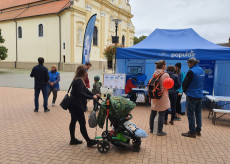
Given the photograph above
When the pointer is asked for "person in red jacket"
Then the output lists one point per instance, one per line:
(88, 65)
(128, 89)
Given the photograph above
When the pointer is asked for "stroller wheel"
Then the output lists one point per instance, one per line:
(137, 145)
(104, 134)
(103, 146)
(136, 149)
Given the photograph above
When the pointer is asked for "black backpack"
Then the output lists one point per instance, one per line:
(154, 90)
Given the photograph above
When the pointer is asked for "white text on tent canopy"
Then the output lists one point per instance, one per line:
(184, 55)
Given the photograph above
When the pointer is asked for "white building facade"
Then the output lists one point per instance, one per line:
(54, 29)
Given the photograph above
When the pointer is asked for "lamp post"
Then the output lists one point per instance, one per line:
(115, 39)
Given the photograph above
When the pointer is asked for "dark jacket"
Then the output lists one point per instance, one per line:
(41, 76)
(97, 88)
(193, 82)
(176, 79)
(79, 96)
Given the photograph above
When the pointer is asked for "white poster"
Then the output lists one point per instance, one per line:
(114, 81)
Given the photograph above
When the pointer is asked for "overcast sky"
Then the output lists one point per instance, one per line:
(209, 18)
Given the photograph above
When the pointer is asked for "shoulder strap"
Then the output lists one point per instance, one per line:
(69, 87)
(159, 76)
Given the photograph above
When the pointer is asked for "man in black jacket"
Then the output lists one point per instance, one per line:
(41, 78)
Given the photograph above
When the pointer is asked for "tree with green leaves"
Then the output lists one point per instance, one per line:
(3, 49)
(137, 40)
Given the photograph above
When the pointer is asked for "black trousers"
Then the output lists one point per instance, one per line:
(178, 104)
(95, 104)
(54, 94)
(173, 99)
(36, 97)
(80, 117)
(133, 96)
(160, 120)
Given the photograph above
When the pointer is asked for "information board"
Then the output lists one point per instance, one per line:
(114, 81)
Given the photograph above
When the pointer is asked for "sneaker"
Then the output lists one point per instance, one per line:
(189, 134)
(198, 133)
(35, 110)
(166, 122)
(90, 143)
(75, 142)
(150, 131)
(161, 134)
(177, 118)
(46, 110)
(53, 104)
(171, 122)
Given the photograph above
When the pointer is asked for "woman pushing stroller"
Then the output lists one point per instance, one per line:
(78, 95)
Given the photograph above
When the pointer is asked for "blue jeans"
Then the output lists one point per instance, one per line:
(194, 106)
(45, 97)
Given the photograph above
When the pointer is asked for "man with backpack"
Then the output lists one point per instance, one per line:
(159, 96)
(193, 88)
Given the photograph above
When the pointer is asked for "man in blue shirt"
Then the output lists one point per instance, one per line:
(193, 88)
(41, 78)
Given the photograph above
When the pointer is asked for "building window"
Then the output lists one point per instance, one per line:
(95, 36)
(19, 32)
(40, 30)
(111, 24)
(123, 40)
(79, 36)
(64, 58)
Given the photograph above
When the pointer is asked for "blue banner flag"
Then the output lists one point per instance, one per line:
(88, 39)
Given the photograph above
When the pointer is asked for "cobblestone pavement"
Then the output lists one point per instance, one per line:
(28, 137)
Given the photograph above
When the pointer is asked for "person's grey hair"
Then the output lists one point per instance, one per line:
(193, 60)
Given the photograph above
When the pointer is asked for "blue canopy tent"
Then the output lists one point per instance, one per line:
(172, 45)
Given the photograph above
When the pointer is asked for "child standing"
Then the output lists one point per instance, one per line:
(96, 90)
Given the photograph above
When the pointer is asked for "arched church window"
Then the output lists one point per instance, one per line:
(19, 32)
(123, 40)
(40, 30)
(79, 36)
(95, 36)
(111, 24)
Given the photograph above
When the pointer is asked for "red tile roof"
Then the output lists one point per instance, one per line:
(10, 15)
(13, 3)
(49, 8)
(41, 9)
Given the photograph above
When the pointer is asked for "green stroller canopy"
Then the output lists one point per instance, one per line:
(119, 107)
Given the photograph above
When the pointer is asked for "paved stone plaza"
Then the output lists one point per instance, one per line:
(28, 137)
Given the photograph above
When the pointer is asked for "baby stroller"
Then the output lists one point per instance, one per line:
(117, 111)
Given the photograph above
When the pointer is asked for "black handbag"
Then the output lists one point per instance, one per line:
(65, 103)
